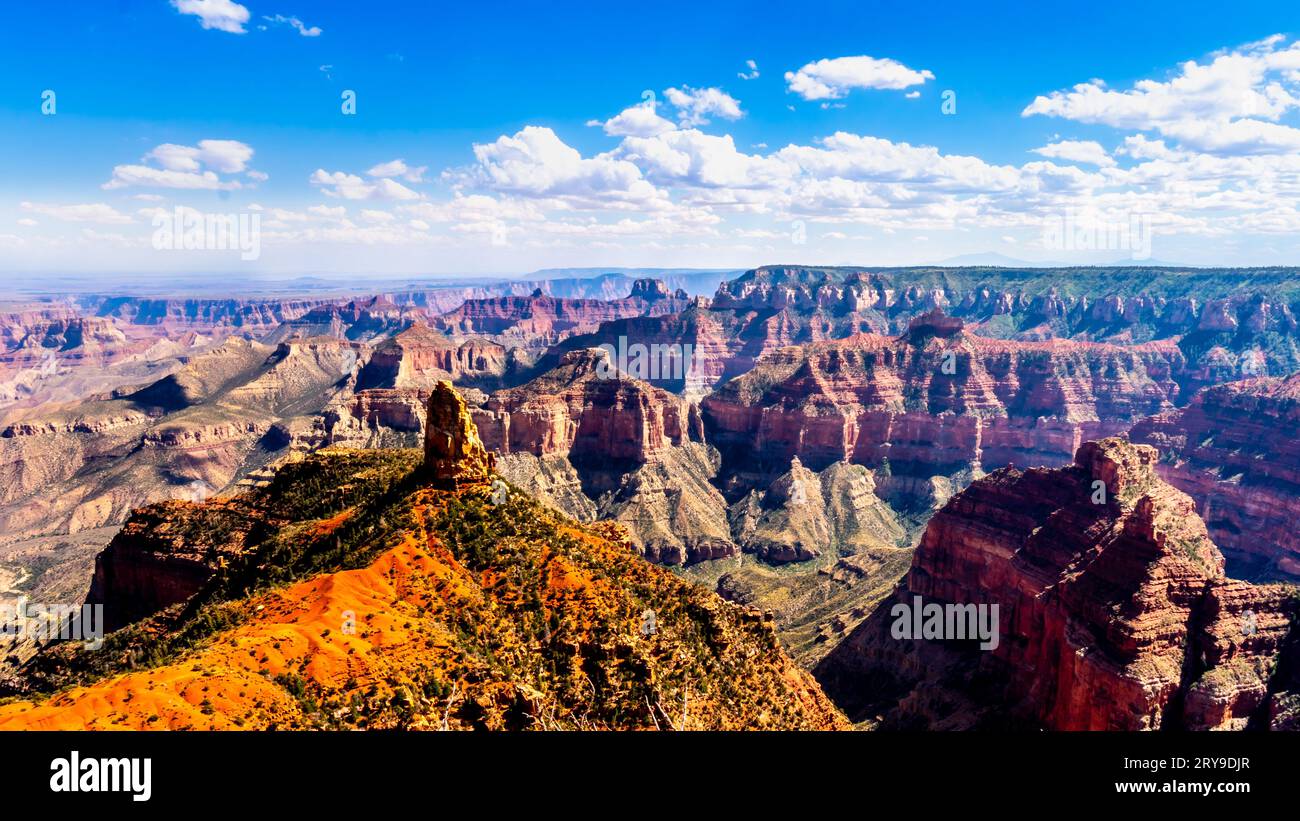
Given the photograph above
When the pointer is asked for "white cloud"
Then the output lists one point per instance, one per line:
(97, 212)
(1084, 151)
(695, 105)
(279, 19)
(1139, 147)
(223, 156)
(691, 157)
(351, 187)
(637, 121)
(751, 72)
(833, 79)
(125, 176)
(188, 167)
(399, 168)
(28, 222)
(1229, 106)
(222, 15)
(537, 163)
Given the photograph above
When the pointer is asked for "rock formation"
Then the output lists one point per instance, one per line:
(454, 455)
(934, 402)
(420, 357)
(364, 600)
(1114, 612)
(598, 443)
(164, 554)
(1235, 449)
(539, 319)
(803, 515)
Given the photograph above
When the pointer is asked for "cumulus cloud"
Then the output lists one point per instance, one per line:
(691, 157)
(399, 168)
(751, 71)
(1228, 106)
(696, 105)
(352, 187)
(638, 121)
(223, 156)
(1084, 151)
(188, 167)
(535, 162)
(833, 79)
(221, 15)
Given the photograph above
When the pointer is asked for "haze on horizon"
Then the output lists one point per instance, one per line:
(407, 141)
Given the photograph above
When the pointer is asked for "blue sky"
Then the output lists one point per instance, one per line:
(526, 137)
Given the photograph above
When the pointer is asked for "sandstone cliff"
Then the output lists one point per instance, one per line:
(420, 357)
(1114, 612)
(1235, 449)
(933, 402)
(600, 444)
(539, 320)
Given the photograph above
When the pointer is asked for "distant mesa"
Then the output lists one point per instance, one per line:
(653, 289)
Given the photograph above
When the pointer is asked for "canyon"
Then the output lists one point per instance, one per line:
(827, 424)
(461, 627)
(1115, 613)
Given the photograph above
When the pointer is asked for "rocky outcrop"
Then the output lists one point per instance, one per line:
(420, 357)
(375, 418)
(1113, 612)
(710, 347)
(53, 355)
(454, 455)
(1235, 449)
(588, 411)
(202, 314)
(636, 453)
(539, 320)
(185, 437)
(934, 402)
(803, 515)
(412, 607)
(164, 554)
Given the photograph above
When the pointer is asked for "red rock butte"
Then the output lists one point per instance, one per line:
(454, 455)
(1115, 612)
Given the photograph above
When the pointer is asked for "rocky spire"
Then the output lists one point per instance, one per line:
(454, 455)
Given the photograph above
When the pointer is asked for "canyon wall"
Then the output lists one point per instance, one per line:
(1114, 613)
(1235, 449)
